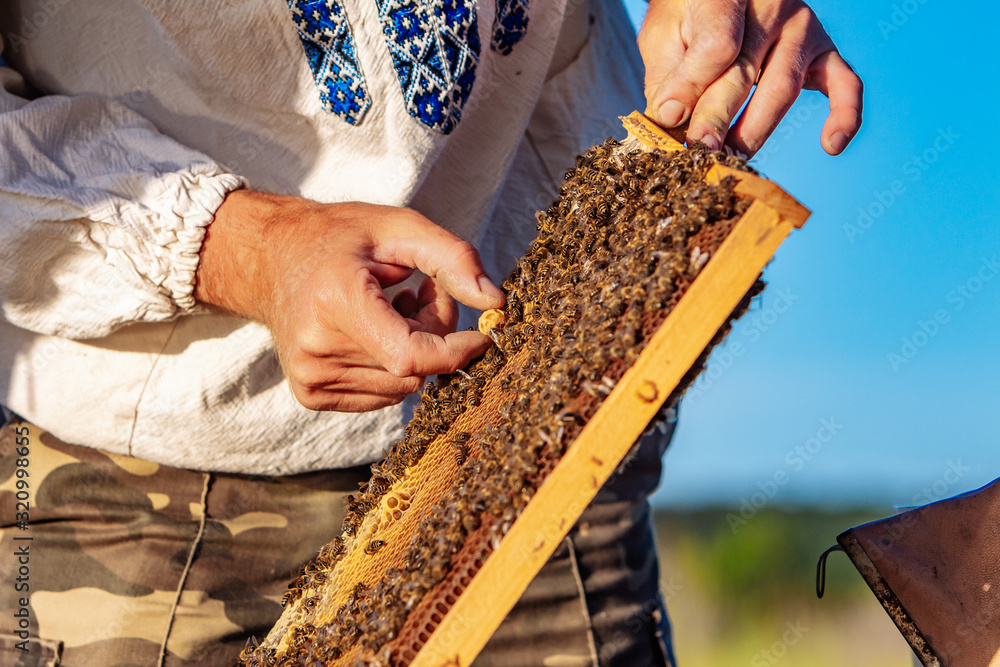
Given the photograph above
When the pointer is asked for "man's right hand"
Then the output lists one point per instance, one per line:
(314, 274)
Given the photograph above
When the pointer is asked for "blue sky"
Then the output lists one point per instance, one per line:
(870, 371)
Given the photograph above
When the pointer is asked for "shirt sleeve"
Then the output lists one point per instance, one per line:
(101, 216)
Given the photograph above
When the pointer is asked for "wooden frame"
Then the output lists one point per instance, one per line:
(459, 633)
(623, 416)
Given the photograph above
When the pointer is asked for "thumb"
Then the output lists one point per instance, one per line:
(412, 240)
(716, 36)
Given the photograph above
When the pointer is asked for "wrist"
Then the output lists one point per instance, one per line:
(234, 270)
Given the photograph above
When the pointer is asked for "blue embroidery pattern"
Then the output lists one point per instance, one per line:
(435, 48)
(329, 46)
(510, 25)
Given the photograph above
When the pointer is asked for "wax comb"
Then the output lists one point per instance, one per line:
(639, 269)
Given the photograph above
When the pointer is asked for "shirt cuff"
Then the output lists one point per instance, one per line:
(190, 202)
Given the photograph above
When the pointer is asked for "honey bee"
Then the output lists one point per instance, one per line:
(372, 547)
(266, 657)
(335, 549)
(378, 485)
(330, 652)
(359, 506)
(461, 453)
(359, 591)
(352, 522)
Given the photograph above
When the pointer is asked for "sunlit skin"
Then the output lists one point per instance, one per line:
(703, 57)
(315, 274)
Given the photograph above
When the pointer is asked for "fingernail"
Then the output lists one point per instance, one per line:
(838, 142)
(672, 113)
(487, 287)
(712, 142)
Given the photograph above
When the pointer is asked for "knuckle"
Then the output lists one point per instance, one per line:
(294, 371)
(856, 84)
(314, 378)
(309, 398)
(655, 36)
(413, 384)
(464, 251)
(710, 118)
(651, 92)
(401, 364)
(786, 86)
(308, 381)
(804, 17)
(410, 217)
(718, 47)
(749, 144)
(310, 341)
(743, 72)
(648, 41)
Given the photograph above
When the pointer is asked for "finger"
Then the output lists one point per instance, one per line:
(716, 38)
(721, 101)
(779, 86)
(344, 401)
(437, 312)
(410, 239)
(661, 44)
(436, 354)
(831, 75)
(325, 375)
(390, 274)
(323, 384)
(390, 340)
(316, 342)
(405, 302)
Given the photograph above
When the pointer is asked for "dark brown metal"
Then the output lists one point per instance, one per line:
(936, 570)
(888, 599)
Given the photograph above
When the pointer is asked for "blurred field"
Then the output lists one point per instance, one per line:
(744, 593)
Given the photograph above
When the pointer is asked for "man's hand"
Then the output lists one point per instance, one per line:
(703, 56)
(314, 274)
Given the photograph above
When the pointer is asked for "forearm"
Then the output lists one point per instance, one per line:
(232, 270)
(103, 216)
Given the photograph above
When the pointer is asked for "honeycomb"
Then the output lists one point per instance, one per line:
(631, 230)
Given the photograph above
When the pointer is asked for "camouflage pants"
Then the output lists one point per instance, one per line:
(108, 560)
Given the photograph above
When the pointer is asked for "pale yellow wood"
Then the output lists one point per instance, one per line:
(606, 439)
(762, 189)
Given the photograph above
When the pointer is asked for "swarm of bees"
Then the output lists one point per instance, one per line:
(630, 232)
